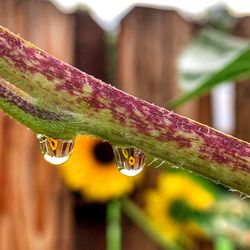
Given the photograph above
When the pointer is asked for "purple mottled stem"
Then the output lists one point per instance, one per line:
(54, 98)
(14, 99)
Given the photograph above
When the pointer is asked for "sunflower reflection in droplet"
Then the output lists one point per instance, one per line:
(92, 171)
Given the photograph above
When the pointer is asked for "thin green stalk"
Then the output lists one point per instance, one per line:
(113, 225)
(223, 243)
(53, 98)
(135, 214)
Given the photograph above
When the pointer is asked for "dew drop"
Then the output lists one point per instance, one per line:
(130, 161)
(55, 151)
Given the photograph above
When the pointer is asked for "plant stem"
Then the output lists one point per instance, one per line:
(58, 100)
(223, 243)
(113, 225)
(134, 213)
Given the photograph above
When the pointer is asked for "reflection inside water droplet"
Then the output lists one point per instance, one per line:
(55, 151)
(130, 161)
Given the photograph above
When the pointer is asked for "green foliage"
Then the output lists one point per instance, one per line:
(113, 228)
(213, 58)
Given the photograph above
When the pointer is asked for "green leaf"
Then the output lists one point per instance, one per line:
(213, 58)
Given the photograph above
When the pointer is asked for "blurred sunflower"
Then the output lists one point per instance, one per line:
(175, 204)
(92, 171)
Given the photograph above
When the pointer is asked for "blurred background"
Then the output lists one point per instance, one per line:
(153, 52)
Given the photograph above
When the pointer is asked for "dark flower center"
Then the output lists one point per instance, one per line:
(180, 210)
(103, 152)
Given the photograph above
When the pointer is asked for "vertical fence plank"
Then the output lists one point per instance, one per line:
(89, 56)
(8, 237)
(243, 90)
(51, 30)
(90, 46)
(5, 220)
(150, 41)
(35, 209)
(204, 114)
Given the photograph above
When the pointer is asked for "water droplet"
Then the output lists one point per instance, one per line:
(55, 151)
(130, 161)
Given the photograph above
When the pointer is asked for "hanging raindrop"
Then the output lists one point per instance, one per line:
(55, 151)
(130, 161)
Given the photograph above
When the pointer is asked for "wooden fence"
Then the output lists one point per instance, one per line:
(36, 210)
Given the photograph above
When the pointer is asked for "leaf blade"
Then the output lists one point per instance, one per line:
(236, 65)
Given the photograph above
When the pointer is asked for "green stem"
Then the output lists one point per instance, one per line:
(135, 214)
(113, 225)
(56, 99)
(223, 243)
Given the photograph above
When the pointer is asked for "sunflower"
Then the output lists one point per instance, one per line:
(92, 171)
(173, 205)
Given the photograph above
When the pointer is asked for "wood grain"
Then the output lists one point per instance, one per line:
(243, 89)
(150, 41)
(35, 208)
